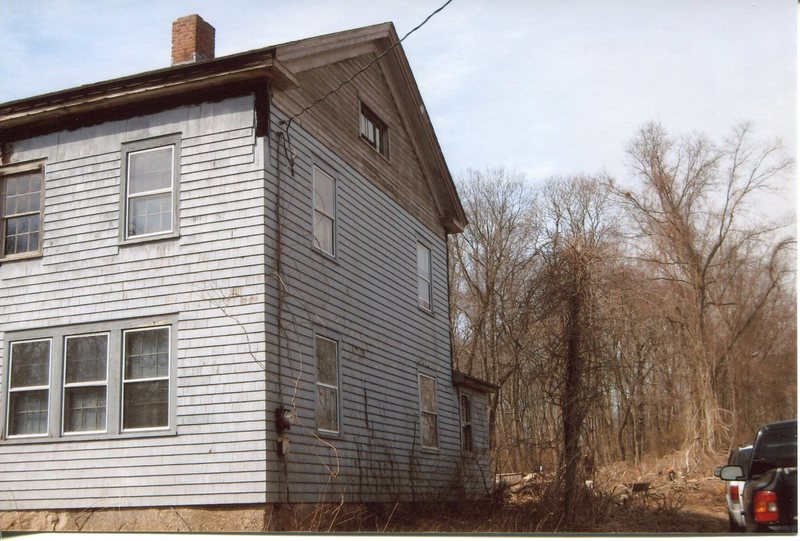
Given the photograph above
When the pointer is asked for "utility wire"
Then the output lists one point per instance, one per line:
(359, 72)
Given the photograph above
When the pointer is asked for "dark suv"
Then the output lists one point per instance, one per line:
(769, 501)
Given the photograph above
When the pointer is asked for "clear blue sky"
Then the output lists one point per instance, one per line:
(541, 86)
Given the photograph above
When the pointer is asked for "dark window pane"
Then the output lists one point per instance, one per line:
(466, 409)
(327, 408)
(146, 404)
(428, 393)
(84, 409)
(326, 361)
(86, 358)
(30, 364)
(150, 170)
(430, 433)
(147, 354)
(27, 412)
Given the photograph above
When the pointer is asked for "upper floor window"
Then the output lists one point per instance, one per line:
(373, 130)
(150, 172)
(327, 361)
(21, 205)
(424, 276)
(324, 211)
(429, 416)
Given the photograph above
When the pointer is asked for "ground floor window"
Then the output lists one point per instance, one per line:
(429, 417)
(103, 378)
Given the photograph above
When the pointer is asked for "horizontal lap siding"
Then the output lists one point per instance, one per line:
(366, 297)
(212, 277)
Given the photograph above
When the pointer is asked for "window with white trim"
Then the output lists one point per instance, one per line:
(424, 276)
(466, 423)
(327, 363)
(21, 206)
(85, 383)
(428, 412)
(324, 211)
(96, 380)
(150, 173)
(145, 380)
(29, 388)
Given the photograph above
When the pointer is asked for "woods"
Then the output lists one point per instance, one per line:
(623, 320)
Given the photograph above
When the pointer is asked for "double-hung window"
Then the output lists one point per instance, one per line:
(29, 388)
(98, 380)
(85, 383)
(424, 276)
(21, 205)
(327, 361)
(429, 417)
(145, 389)
(149, 196)
(324, 211)
(466, 423)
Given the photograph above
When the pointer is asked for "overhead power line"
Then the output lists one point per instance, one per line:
(362, 70)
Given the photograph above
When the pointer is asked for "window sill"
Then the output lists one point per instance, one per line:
(22, 440)
(375, 150)
(145, 239)
(22, 257)
(430, 450)
(325, 254)
(326, 435)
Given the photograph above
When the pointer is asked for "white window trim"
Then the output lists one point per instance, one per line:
(123, 381)
(7, 398)
(65, 385)
(114, 376)
(336, 387)
(330, 216)
(138, 147)
(427, 277)
(422, 411)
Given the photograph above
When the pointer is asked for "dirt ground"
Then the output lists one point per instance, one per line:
(679, 498)
(693, 505)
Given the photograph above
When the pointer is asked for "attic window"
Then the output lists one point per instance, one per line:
(374, 131)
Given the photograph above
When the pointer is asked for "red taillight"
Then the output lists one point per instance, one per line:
(734, 491)
(765, 506)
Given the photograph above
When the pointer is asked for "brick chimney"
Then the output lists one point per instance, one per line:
(192, 40)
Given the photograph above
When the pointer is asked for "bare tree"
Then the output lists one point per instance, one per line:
(491, 263)
(696, 234)
(578, 255)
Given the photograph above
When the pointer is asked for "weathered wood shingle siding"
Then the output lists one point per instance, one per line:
(212, 277)
(365, 297)
(334, 123)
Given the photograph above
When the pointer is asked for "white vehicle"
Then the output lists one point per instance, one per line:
(734, 489)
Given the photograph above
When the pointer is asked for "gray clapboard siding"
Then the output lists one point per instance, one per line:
(368, 296)
(218, 453)
(218, 276)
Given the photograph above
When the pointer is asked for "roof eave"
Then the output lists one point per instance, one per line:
(164, 83)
